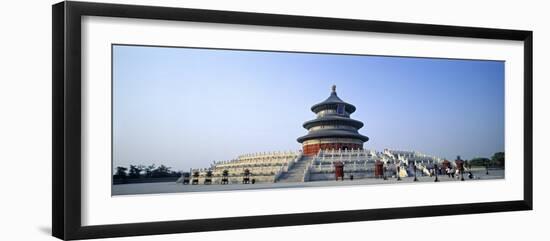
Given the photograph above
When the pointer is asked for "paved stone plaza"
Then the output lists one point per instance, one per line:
(171, 187)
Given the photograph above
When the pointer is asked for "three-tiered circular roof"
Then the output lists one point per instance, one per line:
(338, 118)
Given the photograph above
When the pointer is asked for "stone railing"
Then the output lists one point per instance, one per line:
(421, 167)
(293, 161)
(278, 175)
(307, 171)
(348, 166)
(258, 159)
(275, 154)
(306, 174)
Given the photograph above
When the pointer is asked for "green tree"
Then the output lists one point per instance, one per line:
(120, 172)
(149, 170)
(498, 159)
(176, 173)
(135, 171)
(479, 161)
(161, 171)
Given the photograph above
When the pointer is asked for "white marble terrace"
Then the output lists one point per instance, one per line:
(269, 166)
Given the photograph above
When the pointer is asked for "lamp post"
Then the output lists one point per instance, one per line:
(384, 172)
(435, 170)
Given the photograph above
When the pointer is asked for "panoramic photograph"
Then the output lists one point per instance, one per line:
(206, 120)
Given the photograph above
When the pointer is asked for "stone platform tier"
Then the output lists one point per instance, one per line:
(263, 167)
(361, 163)
(288, 167)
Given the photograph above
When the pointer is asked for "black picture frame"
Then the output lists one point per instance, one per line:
(67, 136)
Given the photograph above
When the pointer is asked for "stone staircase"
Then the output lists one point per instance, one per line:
(296, 172)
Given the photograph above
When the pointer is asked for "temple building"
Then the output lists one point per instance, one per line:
(333, 146)
(333, 128)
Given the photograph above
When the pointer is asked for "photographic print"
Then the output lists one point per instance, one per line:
(205, 120)
(190, 111)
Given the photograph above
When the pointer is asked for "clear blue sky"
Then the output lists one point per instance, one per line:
(186, 107)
